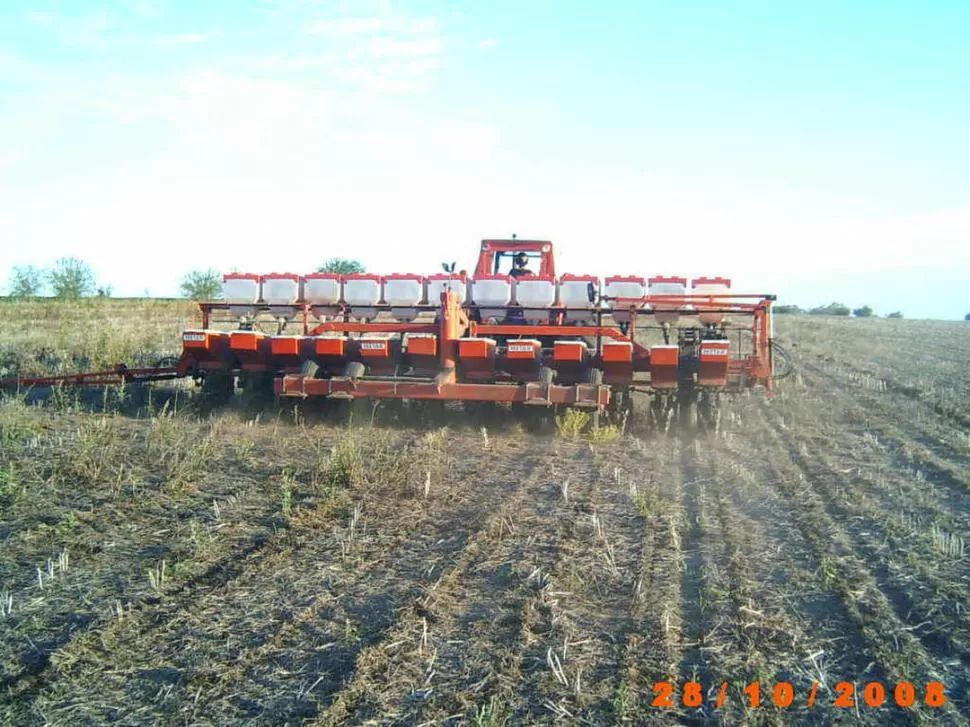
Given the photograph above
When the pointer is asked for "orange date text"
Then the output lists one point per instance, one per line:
(785, 694)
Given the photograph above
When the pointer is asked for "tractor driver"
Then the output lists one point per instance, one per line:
(521, 260)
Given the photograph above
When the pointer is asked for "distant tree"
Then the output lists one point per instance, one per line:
(787, 310)
(341, 266)
(966, 317)
(863, 312)
(832, 309)
(26, 282)
(202, 285)
(104, 291)
(895, 314)
(71, 278)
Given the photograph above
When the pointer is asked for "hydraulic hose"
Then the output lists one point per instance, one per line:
(786, 357)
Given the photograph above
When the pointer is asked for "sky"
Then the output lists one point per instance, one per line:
(818, 151)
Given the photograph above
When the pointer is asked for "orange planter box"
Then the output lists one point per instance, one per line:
(245, 340)
(569, 351)
(617, 352)
(422, 345)
(481, 348)
(285, 345)
(201, 340)
(331, 346)
(664, 356)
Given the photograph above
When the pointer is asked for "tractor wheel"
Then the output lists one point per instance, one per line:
(688, 412)
(355, 369)
(621, 408)
(595, 377)
(257, 390)
(710, 413)
(309, 369)
(218, 388)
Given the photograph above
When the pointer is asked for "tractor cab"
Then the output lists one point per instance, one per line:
(497, 257)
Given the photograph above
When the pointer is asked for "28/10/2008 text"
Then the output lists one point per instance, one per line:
(782, 694)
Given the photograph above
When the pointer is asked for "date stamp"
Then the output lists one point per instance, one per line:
(784, 695)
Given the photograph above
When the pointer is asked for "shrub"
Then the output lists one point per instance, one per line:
(895, 314)
(572, 423)
(863, 312)
(26, 282)
(341, 266)
(202, 285)
(71, 278)
(787, 310)
(832, 309)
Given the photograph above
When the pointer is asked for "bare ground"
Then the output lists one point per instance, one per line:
(175, 568)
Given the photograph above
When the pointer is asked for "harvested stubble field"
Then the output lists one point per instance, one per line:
(162, 565)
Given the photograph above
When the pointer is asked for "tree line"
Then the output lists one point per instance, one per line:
(70, 278)
(834, 309)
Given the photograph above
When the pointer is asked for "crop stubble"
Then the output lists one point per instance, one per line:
(314, 579)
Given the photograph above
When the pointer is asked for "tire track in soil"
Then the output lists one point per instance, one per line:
(651, 652)
(533, 613)
(407, 597)
(780, 625)
(378, 612)
(584, 621)
(855, 665)
(246, 552)
(522, 567)
(877, 540)
(397, 660)
(913, 393)
(694, 665)
(949, 479)
(194, 613)
(251, 549)
(941, 500)
(898, 654)
(896, 491)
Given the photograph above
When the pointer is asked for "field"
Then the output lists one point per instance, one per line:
(165, 565)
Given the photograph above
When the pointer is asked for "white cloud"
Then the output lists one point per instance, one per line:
(386, 48)
(87, 31)
(375, 24)
(390, 77)
(487, 44)
(181, 38)
(421, 67)
(293, 64)
(40, 17)
(14, 67)
(150, 9)
(384, 52)
(11, 157)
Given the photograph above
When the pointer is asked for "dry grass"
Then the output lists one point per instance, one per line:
(66, 337)
(281, 567)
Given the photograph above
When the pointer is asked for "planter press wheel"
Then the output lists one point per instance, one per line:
(595, 377)
(218, 388)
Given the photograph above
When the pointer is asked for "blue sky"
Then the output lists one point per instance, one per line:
(817, 152)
